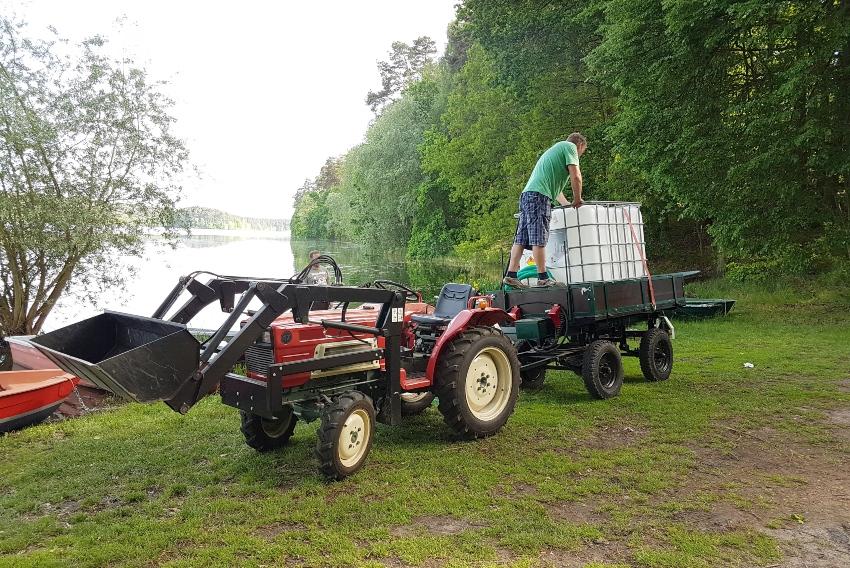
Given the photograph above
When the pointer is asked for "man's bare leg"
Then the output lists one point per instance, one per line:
(516, 255)
(539, 254)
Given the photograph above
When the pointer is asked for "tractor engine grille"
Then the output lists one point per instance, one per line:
(258, 357)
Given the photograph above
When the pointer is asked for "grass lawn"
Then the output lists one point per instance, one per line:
(721, 465)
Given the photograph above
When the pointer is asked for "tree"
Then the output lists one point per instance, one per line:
(467, 153)
(311, 216)
(88, 162)
(740, 112)
(404, 67)
(376, 201)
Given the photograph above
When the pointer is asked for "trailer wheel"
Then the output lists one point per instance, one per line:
(656, 355)
(532, 380)
(413, 403)
(264, 434)
(477, 382)
(345, 436)
(602, 369)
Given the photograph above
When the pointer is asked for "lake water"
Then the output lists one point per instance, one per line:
(269, 255)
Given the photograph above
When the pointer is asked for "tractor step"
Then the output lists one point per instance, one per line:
(136, 358)
(414, 381)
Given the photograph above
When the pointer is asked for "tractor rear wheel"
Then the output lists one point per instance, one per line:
(266, 434)
(532, 380)
(413, 403)
(346, 434)
(656, 355)
(602, 369)
(477, 382)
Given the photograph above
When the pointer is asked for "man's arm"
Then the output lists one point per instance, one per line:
(576, 183)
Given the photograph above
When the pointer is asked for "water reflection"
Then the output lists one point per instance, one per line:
(271, 255)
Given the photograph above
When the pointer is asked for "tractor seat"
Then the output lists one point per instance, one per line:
(453, 298)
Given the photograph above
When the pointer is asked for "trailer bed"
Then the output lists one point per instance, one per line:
(586, 303)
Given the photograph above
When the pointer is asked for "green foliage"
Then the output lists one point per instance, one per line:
(374, 196)
(311, 218)
(88, 163)
(755, 142)
(466, 153)
(206, 218)
(403, 68)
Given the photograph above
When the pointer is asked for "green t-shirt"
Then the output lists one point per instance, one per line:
(550, 175)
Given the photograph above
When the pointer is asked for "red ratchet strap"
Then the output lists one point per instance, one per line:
(642, 257)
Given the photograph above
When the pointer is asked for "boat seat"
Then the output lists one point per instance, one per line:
(453, 298)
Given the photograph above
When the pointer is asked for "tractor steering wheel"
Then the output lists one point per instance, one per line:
(410, 294)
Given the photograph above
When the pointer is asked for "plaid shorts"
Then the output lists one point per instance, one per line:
(535, 211)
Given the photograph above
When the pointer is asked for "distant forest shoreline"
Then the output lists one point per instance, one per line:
(207, 218)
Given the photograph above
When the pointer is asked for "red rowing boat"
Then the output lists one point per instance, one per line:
(28, 397)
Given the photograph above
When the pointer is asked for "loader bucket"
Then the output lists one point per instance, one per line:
(135, 357)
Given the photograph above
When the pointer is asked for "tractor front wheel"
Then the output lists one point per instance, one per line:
(477, 382)
(345, 436)
(413, 403)
(265, 434)
(602, 369)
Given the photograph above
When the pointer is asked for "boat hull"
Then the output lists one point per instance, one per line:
(29, 397)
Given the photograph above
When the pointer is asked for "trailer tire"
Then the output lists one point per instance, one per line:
(656, 355)
(264, 434)
(345, 436)
(477, 412)
(602, 369)
(413, 403)
(532, 380)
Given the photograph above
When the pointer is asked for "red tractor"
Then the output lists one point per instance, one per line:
(379, 353)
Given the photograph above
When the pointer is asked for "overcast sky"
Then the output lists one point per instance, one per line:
(264, 91)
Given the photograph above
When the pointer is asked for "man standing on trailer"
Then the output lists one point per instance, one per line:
(557, 166)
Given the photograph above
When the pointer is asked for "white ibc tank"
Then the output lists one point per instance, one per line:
(599, 241)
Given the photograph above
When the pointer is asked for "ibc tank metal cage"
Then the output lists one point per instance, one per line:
(599, 241)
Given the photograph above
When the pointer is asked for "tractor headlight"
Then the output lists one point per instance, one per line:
(266, 337)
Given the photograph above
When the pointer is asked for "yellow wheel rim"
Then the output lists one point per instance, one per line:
(488, 383)
(354, 437)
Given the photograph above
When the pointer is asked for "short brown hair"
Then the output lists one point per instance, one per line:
(577, 138)
(314, 253)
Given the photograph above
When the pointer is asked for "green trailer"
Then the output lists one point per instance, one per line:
(588, 327)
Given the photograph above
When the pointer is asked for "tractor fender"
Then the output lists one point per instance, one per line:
(461, 322)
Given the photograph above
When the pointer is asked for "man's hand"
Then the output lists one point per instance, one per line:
(577, 203)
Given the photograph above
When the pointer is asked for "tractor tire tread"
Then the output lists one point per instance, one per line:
(447, 390)
(328, 433)
(255, 437)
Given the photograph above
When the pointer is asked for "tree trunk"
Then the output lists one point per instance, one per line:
(720, 266)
